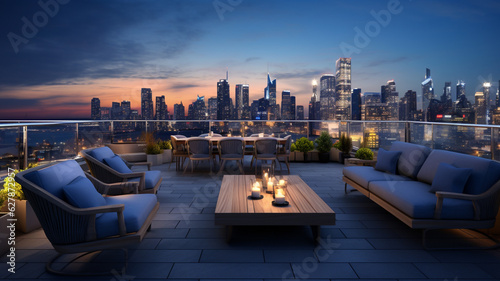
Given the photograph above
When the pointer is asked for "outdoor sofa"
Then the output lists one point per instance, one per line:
(431, 189)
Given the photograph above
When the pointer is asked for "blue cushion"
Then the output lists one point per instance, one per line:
(151, 179)
(101, 153)
(81, 193)
(485, 172)
(414, 199)
(363, 175)
(450, 179)
(411, 159)
(387, 161)
(57, 176)
(135, 213)
(117, 164)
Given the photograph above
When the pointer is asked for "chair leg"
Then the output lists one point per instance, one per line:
(240, 164)
(222, 166)
(50, 269)
(192, 167)
(287, 164)
(187, 166)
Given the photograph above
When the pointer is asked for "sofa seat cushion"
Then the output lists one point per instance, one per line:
(137, 209)
(134, 157)
(151, 179)
(117, 164)
(54, 178)
(414, 199)
(411, 159)
(485, 173)
(363, 175)
(101, 153)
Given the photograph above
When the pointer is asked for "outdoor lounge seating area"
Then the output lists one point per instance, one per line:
(366, 242)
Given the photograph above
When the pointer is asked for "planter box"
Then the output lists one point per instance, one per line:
(299, 156)
(4, 234)
(155, 159)
(26, 218)
(167, 156)
(313, 156)
(335, 155)
(292, 156)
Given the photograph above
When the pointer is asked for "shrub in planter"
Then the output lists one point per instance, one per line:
(345, 147)
(293, 152)
(364, 154)
(304, 145)
(323, 145)
(153, 152)
(166, 146)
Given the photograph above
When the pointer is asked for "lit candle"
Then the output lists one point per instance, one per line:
(256, 191)
(265, 180)
(280, 197)
(270, 185)
(282, 182)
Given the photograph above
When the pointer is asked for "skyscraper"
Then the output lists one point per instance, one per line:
(293, 107)
(314, 104)
(487, 101)
(199, 109)
(480, 108)
(343, 89)
(300, 112)
(286, 105)
(146, 103)
(390, 97)
(427, 93)
(327, 97)
(95, 109)
(356, 104)
(498, 95)
(241, 99)
(270, 91)
(408, 105)
(223, 100)
(460, 89)
(179, 112)
(116, 111)
(212, 108)
(161, 108)
(126, 110)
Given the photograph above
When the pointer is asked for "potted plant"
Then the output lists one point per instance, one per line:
(364, 153)
(335, 152)
(154, 153)
(345, 147)
(26, 217)
(303, 145)
(293, 150)
(166, 146)
(323, 145)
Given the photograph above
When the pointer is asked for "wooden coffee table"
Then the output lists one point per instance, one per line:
(305, 208)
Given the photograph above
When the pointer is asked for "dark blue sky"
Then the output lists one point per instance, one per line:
(111, 49)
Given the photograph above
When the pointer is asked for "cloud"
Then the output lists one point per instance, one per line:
(300, 74)
(387, 61)
(183, 86)
(11, 103)
(95, 39)
(252, 59)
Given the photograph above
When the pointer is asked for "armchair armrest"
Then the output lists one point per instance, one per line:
(130, 165)
(118, 208)
(453, 195)
(113, 188)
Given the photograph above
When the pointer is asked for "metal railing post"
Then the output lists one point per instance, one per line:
(112, 131)
(25, 148)
(432, 136)
(307, 127)
(493, 149)
(76, 140)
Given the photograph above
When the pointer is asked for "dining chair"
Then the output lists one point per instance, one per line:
(178, 151)
(231, 149)
(284, 152)
(199, 149)
(265, 149)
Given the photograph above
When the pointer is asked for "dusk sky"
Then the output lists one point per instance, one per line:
(56, 59)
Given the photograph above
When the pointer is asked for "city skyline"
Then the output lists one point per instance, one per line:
(109, 50)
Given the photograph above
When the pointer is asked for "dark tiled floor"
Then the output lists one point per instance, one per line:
(184, 244)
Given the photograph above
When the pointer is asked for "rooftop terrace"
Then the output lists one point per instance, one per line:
(184, 244)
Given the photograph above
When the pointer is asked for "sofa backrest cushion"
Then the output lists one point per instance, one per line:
(116, 163)
(449, 178)
(387, 161)
(55, 177)
(411, 159)
(81, 193)
(484, 174)
(101, 153)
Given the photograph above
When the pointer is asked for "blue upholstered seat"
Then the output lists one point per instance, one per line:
(151, 179)
(414, 199)
(135, 213)
(363, 175)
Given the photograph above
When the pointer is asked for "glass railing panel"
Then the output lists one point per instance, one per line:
(51, 143)
(495, 143)
(93, 134)
(128, 131)
(10, 145)
(421, 133)
(227, 128)
(464, 139)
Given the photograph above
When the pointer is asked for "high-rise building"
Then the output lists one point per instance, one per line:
(427, 92)
(161, 108)
(262, 109)
(95, 109)
(293, 107)
(487, 101)
(199, 109)
(390, 96)
(241, 99)
(480, 108)
(408, 105)
(343, 89)
(270, 91)
(179, 112)
(223, 100)
(300, 112)
(116, 111)
(212, 108)
(498, 95)
(286, 104)
(146, 104)
(460, 89)
(327, 97)
(126, 110)
(446, 97)
(105, 113)
(356, 104)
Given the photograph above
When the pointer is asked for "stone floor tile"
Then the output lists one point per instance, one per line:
(232, 256)
(229, 270)
(379, 256)
(311, 269)
(386, 270)
(288, 255)
(452, 271)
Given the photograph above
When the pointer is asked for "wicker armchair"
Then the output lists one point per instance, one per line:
(149, 181)
(72, 229)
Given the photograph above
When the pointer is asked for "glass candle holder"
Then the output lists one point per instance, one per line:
(255, 190)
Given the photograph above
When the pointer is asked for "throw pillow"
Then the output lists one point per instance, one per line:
(450, 178)
(81, 193)
(387, 161)
(117, 164)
